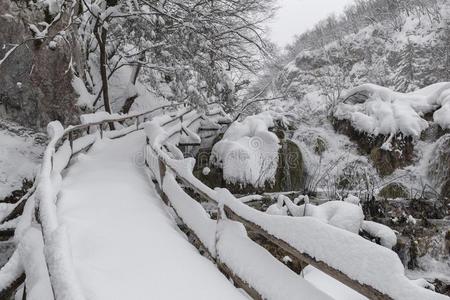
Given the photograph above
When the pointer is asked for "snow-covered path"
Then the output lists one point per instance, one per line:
(124, 243)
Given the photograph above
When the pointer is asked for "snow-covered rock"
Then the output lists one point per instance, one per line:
(352, 199)
(248, 152)
(341, 214)
(387, 112)
(385, 234)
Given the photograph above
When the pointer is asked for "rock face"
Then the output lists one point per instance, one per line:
(386, 162)
(35, 80)
(439, 167)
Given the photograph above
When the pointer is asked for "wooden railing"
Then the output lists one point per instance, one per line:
(387, 262)
(63, 144)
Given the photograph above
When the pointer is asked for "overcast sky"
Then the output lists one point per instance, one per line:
(297, 16)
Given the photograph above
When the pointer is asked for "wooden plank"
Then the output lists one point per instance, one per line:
(6, 234)
(208, 129)
(162, 173)
(9, 291)
(361, 288)
(17, 211)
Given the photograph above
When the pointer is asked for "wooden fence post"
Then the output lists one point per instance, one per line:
(181, 125)
(162, 174)
(71, 141)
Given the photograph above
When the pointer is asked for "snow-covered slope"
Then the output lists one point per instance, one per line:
(20, 154)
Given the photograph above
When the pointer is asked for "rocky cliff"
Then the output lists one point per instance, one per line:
(36, 78)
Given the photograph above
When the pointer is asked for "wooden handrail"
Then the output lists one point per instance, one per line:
(119, 119)
(45, 177)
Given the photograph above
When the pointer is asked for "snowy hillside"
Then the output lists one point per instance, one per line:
(20, 155)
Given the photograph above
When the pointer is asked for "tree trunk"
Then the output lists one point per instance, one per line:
(134, 75)
(103, 71)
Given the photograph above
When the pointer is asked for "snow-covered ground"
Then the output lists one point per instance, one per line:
(19, 159)
(124, 243)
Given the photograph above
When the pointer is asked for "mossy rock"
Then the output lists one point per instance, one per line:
(291, 174)
(393, 191)
(383, 161)
(386, 162)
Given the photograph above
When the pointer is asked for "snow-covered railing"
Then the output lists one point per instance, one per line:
(370, 269)
(52, 241)
(245, 267)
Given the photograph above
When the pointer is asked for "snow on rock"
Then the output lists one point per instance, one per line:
(386, 235)
(278, 208)
(411, 220)
(352, 199)
(341, 214)
(387, 112)
(248, 152)
(423, 283)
